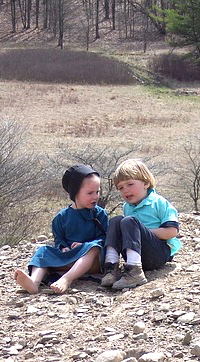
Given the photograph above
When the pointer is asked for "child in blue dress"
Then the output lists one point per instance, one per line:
(146, 235)
(79, 234)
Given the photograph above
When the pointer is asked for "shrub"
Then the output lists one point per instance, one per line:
(176, 67)
(20, 178)
(55, 65)
(188, 172)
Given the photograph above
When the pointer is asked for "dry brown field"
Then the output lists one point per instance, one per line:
(152, 120)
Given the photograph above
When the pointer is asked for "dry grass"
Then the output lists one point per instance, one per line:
(153, 120)
(141, 115)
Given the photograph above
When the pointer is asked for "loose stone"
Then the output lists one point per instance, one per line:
(186, 318)
(13, 350)
(159, 317)
(31, 310)
(47, 332)
(81, 355)
(156, 293)
(138, 328)
(111, 356)
(195, 349)
(29, 354)
(187, 339)
(152, 357)
(115, 337)
(140, 336)
(49, 337)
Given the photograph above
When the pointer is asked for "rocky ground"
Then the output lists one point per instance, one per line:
(159, 321)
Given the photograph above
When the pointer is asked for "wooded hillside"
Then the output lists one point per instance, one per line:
(85, 21)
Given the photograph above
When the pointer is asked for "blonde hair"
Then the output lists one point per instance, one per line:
(135, 170)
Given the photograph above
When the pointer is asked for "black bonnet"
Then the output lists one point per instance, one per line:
(73, 177)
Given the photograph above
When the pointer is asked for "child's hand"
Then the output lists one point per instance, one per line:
(65, 249)
(75, 244)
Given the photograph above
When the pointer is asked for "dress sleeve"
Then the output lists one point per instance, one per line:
(58, 232)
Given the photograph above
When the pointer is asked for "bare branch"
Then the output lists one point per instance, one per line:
(21, 177)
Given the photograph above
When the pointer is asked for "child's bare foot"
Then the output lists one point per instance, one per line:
(61, 285)
(25, 282)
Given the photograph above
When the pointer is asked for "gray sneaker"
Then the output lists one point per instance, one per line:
(111, 274)
(132, 276)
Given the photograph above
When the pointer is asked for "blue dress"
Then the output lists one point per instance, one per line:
(73, 225)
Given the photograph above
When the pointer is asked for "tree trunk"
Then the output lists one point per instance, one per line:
(13, 15)
(37, 9)
(132, 25)
(113, 14)
(97, 20)
(22, 13)
(61, 21)
(107, 10)
(45, 13)
(87, 10)
(28, 14)
(125, 18)
(145, 30)
(55, 18)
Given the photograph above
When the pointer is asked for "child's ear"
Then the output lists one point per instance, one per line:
(146, 184)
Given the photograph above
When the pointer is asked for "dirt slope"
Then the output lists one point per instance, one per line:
(88, 320)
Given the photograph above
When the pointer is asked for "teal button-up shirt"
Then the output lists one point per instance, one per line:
(153, 212)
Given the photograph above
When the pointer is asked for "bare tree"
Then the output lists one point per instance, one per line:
(113, 6)
(37, 11)
(87, 13)
(188, 173)
(13, 15)
(45, 13)
(61, 22)
(25, 12)
(20, 179)
(131, 15)
(107, 9)
(97, 36)
(28, 14)
(145, 24)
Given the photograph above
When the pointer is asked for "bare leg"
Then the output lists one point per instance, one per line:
(30, 283)
(80, 267)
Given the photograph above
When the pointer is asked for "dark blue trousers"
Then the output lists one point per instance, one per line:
(129, 232)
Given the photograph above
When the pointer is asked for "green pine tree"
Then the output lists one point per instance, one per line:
(183, 22)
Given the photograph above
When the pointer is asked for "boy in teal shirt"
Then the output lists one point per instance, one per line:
(146, 235)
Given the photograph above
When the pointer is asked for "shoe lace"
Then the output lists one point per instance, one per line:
(126, 273)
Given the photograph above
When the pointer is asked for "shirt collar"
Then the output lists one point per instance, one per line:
(146, 201)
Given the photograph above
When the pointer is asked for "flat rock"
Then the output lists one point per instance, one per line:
(111, 356)
(152, 357)
(186, 318)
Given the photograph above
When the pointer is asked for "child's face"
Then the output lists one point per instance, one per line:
(88, 194)
(133, 191)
